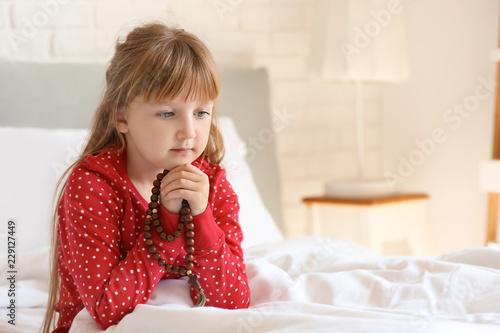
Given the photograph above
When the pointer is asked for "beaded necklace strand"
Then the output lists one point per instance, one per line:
(185, 223)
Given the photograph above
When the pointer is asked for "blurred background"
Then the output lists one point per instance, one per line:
(428, 89)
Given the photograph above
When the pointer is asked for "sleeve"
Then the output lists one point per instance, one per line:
(92, 220)
(218, 255)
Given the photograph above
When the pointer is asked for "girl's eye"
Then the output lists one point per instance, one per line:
(202, 114)
(166, 115)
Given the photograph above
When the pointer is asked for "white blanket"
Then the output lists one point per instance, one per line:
(318, 285)
(325, 284)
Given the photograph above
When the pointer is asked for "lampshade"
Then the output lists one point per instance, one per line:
(359, 40)
(489, 176)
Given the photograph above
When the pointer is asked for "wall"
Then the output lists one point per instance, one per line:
(450, 43)
(318, 142)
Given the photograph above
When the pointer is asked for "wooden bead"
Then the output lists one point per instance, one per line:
(186, 218)
(185, 222)
(185, 211)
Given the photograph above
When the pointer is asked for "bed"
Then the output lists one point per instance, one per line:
(310, 284)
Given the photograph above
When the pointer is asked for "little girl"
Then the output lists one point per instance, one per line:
(147, 199)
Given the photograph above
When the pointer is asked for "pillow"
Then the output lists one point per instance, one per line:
(33, 161)
(256, 222)
(35, 158)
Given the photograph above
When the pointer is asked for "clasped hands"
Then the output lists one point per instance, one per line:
(185, 182)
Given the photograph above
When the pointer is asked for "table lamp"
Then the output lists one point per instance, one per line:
(357, 42)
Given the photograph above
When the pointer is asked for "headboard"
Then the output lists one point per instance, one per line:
(65, 95)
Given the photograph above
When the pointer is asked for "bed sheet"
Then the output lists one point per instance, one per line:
(322, 284)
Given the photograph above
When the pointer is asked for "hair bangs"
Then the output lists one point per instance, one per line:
(185, 70)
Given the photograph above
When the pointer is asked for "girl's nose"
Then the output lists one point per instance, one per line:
(186, 129)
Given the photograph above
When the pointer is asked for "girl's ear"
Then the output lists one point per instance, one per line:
(122, 125)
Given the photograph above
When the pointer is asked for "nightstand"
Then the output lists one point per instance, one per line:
(392, 224)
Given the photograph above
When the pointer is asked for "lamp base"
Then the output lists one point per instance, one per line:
(493, 245)
(369, 188)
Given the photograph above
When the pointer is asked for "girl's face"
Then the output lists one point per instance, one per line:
(166, 134)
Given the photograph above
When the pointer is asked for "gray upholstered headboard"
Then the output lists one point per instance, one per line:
(65, 95)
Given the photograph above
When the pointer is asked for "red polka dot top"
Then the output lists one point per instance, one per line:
(104, 263)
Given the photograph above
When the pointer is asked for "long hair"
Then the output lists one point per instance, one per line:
(153, 61)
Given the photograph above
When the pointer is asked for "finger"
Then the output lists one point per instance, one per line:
(191, 196)
(187, 168)
(182, 173)
(179, 184)
(181, 180)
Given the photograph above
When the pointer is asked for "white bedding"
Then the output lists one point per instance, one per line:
(302, 285)
(320, 284)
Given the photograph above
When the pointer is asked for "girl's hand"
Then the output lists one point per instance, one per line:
(185, 182)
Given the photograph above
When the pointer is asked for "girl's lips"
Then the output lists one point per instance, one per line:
(182, 150)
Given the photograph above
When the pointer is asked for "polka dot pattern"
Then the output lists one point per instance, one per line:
(104, 264)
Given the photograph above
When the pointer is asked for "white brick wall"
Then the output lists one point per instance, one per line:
(4, 15)
(315, 147)
(51, 14)
(290, 43)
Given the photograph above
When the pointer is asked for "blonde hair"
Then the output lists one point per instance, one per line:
(158, 62)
